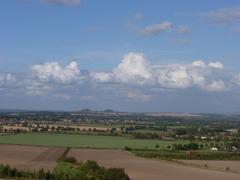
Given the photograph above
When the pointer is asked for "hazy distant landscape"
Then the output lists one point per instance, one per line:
(143, 144)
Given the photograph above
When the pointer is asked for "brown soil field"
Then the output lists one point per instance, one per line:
(29, 157)
(234, 166)
(143, 169)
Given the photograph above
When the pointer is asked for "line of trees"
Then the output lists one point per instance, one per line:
(190, 146)
(7, 172)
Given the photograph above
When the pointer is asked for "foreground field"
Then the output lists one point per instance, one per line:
(27, 157)
(83, 141)
(232, 166)
(30, 157)
(141, 169)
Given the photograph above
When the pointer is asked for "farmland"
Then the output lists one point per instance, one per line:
(232, 166)
(32, 157)
(29, 157)
(83, 141)
(140, 168)
(48, 163)
(146, 147)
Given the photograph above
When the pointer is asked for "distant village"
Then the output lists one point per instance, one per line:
(207, 131)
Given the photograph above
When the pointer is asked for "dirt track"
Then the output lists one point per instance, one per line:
(144, 169)
(29, 157)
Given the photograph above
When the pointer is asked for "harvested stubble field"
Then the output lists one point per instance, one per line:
(233, 166)
(142, 169)
(30, 157)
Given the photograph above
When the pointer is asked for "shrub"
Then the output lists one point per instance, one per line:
(114, 173)
(70, 160)
(127, 148)
(67, 171)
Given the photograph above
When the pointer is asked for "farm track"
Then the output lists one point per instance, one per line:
(49, 155)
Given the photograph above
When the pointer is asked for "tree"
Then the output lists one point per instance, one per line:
(114, 173)
(41, 174)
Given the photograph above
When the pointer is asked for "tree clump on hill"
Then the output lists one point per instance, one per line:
(67, 170)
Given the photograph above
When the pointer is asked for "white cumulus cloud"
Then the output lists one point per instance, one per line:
(216, 65)
(54, 72)
(101, 76)
(6, 79)
(172, 76)
(216, 86)
(134, 68)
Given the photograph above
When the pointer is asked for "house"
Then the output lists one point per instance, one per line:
(214, 149)
(203, 137)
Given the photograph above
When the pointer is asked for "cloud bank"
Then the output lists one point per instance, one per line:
(135, 78)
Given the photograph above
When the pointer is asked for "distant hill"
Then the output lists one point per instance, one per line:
(109, 111)
(86, 110)
(171, 114)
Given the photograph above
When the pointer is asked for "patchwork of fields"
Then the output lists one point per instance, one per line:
(44, 149)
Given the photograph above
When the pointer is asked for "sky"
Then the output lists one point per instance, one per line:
(128, 55)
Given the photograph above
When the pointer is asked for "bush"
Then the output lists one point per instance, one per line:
(67, 171)
(127, 148)
(70, 160)
(114, 173)
(190, 146)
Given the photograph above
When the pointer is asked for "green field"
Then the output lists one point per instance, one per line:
(199, 155)
(83, 141)
(144, 131)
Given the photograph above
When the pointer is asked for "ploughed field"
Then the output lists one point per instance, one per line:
(29, 157)
(141, 169)
(83, 141)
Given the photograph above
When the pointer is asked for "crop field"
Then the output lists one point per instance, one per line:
(29, 157)
(140, 168)
(83, 141)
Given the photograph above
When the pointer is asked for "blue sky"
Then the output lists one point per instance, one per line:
(138, 55)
